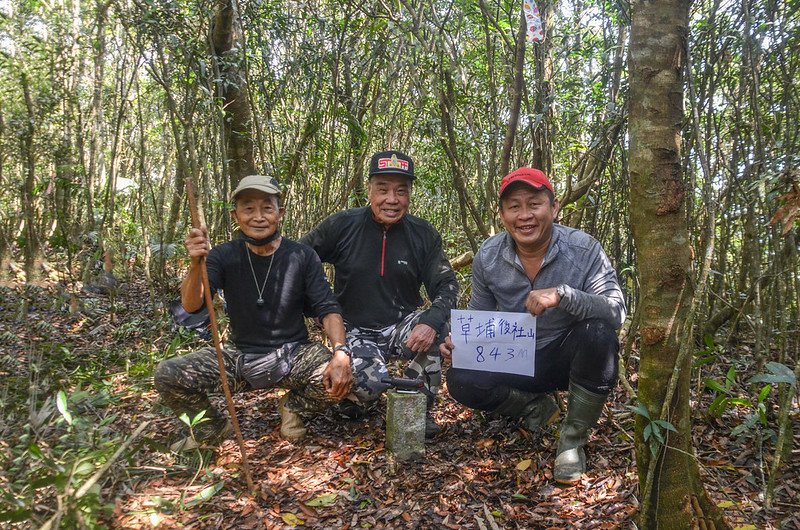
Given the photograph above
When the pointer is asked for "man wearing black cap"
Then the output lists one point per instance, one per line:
(269, 282)
(382, 255)
(562, 276)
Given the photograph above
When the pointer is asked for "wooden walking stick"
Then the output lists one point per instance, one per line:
(223, 376)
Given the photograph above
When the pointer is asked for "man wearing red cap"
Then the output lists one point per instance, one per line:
(562, 276)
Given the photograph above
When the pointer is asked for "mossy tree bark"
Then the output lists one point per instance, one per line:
(673, 496)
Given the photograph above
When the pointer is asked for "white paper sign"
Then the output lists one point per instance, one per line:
(494, 341)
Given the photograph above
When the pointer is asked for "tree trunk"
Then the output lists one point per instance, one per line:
(673, 496)
(447, 139)
(225, 38)
(516, 95)
(541, 156)
(28, 203)
(96, 120)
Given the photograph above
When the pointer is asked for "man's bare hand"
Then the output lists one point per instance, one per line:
(338, 376)
(421, 338)
(197, 243)
(541, 299)
(446, 349)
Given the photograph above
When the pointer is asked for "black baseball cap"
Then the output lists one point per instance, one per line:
(391, 163)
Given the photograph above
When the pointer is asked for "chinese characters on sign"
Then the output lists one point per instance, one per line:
(494, 341)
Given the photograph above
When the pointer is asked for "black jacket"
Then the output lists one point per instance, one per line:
(379, 271)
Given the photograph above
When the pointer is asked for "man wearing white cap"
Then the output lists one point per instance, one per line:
(562, 276)
(270, 283)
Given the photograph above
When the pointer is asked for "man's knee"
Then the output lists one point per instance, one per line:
(464, 386)
(598, 333)
(365, 350)
(183, 373)
(164, 378)
(309, 362)
(429, 362)
(595, 365)
(367, 376)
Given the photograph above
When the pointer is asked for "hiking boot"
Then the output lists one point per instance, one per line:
(206, 434)
(431, 427)
(351, 409)
(292, 428)
(537, 411)
(583, 411)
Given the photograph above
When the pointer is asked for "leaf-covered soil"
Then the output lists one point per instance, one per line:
(476, 474)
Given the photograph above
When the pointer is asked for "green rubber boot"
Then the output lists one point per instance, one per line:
(583, 411)
(536, 410)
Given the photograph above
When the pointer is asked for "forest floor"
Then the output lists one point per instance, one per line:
(476, 474)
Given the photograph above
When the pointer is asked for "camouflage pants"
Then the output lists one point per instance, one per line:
(373, 348)
(184, 382)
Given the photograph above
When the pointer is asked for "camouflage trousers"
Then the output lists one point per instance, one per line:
(373, 348)
(185, 382)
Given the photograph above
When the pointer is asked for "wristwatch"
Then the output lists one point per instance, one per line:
(561, 289)
(343, 348)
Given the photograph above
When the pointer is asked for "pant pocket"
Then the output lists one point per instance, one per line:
(265, 370)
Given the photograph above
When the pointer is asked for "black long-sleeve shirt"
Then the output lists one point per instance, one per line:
(379, 271)
(296, 286)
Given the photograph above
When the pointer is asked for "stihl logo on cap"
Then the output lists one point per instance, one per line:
(393, 163)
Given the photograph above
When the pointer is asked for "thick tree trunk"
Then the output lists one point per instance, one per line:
(673, 496)
(225, 38)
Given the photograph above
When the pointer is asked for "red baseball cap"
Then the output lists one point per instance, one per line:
(530, 176)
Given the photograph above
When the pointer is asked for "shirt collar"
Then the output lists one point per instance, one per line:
(510, 253)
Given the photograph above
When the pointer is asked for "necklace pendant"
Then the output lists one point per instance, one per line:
(260, 302)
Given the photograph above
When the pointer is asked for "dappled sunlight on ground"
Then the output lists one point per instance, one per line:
(478, 473)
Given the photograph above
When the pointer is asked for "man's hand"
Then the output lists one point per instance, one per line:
(421, 338)
(541, 299)
(446, 349)
(192, 286)
(338, 377)
(197, 243)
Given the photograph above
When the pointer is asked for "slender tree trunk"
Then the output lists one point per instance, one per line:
(448, 141)
(516, 95)
(96, 121)
(29, 162)
(673, 496)
(541, 157)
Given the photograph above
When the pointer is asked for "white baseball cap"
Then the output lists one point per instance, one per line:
(257, 182)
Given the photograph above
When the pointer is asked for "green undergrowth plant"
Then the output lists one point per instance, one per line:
(753, 398)
(730, 394)
(52, 466)
(141, 363)
(655, 431)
